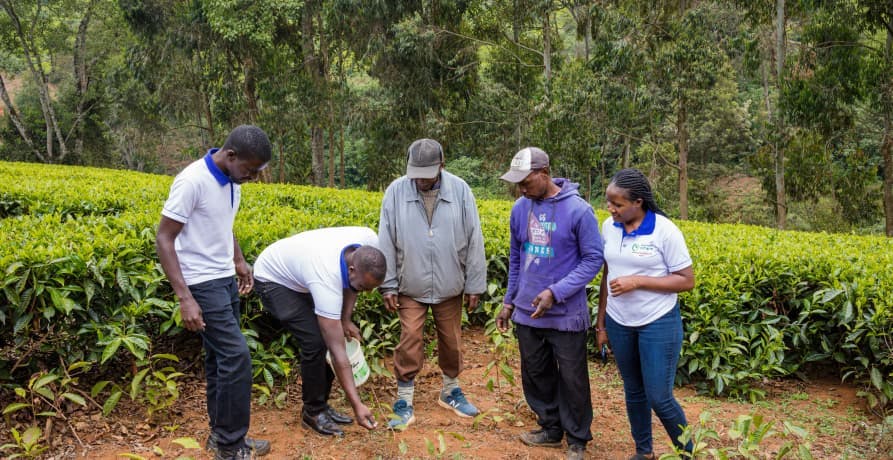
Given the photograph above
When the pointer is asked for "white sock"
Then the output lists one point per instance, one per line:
(449, 383)
(405, 391)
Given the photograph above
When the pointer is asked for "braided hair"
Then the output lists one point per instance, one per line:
(636, 186)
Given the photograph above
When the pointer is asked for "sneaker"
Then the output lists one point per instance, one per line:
(404, 414)
(259, 447)
(539, 438)
(576, 452)
(456, 401)
(242, 453)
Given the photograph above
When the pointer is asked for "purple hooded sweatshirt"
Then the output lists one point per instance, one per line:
(555, 244)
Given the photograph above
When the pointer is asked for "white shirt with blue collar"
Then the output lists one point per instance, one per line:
(313, 262)
(657, 248)
(205, 201)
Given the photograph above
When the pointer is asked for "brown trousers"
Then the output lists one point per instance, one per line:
(410, 353)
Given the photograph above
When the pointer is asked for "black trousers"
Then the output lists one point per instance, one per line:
(295, 311)
(227, 361)
(555, 378)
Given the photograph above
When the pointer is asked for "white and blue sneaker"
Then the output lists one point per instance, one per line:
(403, 416)
(455, 401)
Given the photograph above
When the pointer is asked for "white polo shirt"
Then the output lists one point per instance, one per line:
(313, 262)
(205, 201)
(657, 248)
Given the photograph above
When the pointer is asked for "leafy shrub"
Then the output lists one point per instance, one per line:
(82, 282)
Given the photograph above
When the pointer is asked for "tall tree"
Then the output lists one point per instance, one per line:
(38, 29)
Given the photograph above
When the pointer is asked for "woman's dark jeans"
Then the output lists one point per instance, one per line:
(647, 357)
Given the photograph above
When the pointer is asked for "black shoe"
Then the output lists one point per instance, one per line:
(241, 453)
(539, 438)
(321, 423)
(576, 452)
(338, 417)
(258, 447)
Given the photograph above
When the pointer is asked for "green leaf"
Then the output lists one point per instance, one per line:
(76, 398)
(15, 407)
(110, 350)
(877, 378)
(187, 443)
(111, 402)
(43, 381)
(98, 387)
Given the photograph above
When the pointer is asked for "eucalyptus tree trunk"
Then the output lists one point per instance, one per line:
(82, 79)
(547, 54)
(887, 141)
(35, 68)
(682, 141)
(313, 66)
(781, 209)
(16, 119)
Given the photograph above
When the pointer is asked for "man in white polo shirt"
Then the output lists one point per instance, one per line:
(203, 263)
(309, 282)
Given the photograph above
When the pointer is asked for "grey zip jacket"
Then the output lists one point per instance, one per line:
(432, 263)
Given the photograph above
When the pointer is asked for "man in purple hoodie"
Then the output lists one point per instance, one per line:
(556, 250)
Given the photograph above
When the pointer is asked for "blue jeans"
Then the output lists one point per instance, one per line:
(227, 361)
(647, 357)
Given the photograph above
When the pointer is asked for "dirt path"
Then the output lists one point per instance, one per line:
(831, 412)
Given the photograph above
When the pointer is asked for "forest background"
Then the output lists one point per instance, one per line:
(774, 113)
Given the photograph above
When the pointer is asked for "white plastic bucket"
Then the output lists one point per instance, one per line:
(357, 361)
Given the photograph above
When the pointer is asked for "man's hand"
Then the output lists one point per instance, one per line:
(471, 302)
(502, 319)
(364, 417)
(390, 302)
(191, 314)
(351, 330)
(543, 302)
(246, 278)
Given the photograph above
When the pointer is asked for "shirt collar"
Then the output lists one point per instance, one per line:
(345, 279)
(221, 178)
(645, 228)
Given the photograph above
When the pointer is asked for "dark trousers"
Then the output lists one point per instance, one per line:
(227, 361)
(555, 378)
(295, 311)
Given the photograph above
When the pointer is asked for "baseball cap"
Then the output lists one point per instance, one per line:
(424, 158)
(524, 162)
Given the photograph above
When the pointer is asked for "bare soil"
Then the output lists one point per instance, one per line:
(832, 413)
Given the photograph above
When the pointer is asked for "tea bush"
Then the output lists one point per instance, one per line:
(82, 282)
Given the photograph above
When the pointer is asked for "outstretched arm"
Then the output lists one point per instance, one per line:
(333, 335)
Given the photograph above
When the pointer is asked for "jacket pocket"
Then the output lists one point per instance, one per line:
(530, 285)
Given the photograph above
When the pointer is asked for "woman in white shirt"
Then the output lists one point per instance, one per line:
(646, 264)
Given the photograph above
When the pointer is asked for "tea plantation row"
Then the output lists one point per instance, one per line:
(81, 283)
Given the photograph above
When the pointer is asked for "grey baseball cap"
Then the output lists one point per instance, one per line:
(424, 158)
(524, 162)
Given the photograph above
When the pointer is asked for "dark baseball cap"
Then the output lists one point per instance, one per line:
(424, 158)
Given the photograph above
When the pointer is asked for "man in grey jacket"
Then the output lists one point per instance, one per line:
(430, 234)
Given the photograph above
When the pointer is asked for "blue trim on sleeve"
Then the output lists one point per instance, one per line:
(645, 228)
(345, 280)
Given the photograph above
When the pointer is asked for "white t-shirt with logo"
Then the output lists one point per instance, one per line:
(311, 262)
(207, 211)
(657, 254)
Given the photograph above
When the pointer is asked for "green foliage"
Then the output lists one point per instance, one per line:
(747, 434)
(155, 385)
(26, 444)
(85, 286)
